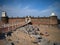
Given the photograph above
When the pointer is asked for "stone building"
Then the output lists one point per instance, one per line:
(51, 20)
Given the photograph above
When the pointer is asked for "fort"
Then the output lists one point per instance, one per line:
(51, 20)
(13, 22)
(29, 30)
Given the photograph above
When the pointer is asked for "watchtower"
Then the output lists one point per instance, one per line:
(4, 18)
(53, 19)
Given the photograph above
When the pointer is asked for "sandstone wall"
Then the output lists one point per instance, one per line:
(16, 20)
(38, 21)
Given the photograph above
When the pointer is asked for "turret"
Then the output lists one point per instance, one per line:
(4, 18)
(53, 19)
(53, 16)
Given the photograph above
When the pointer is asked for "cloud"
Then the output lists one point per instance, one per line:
(26, 10)
(34, 12)
(0, 10)
(17, 11)
(56, 8)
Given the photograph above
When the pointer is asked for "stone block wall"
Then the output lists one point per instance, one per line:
(37, 21)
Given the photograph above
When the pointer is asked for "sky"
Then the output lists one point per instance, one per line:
(21, 8)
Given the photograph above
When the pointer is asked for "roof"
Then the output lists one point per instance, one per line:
(53, 14)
